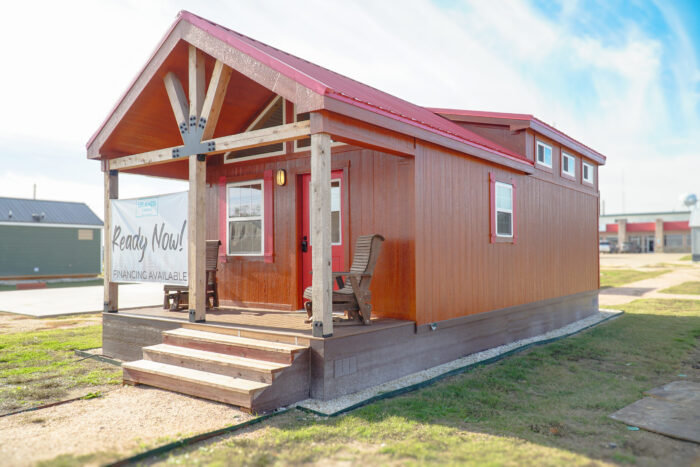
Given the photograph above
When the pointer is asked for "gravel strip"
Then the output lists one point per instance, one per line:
(332, 406)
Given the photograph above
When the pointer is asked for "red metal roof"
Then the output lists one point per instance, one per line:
(514, 116)
(336, 86)
(611, 228)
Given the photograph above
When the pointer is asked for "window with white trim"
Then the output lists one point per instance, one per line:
(504, 209)
(544, 154)
(304, 144)
(245, 212)
(336, 215)
(568, 164)
(587, 172)
(272, 115)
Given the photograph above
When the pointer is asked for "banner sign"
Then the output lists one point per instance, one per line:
(148, 239)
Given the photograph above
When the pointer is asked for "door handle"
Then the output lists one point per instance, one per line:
(304, 244)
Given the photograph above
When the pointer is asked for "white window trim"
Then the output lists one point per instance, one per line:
(297, 148)
(340, 217)
(340, 182)
(497, 210)
(255, 122)
(572, 164)
(551, 151)
(262, 217)
(590, 172)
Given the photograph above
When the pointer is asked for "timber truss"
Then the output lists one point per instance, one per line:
(197, 119)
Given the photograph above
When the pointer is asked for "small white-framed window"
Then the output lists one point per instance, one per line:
(245, 218)
(544, 154)
(336, 218)
(504, 210)
(304, 144)
(587, 172)
(568, 164)
(336, 213)
(272, 115)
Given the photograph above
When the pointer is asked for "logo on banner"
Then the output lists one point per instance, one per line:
(146, 207)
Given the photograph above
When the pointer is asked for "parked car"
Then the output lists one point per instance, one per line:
(629, 247)
(605, 247)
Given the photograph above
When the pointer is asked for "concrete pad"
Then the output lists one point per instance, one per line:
(70, 300)
(672, 410)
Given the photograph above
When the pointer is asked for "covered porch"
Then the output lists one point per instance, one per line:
(275, 152)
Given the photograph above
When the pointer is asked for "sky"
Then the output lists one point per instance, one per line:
(623, 77)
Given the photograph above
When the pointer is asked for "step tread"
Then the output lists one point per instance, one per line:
(205, 355)
(235, 340)
(223, 382)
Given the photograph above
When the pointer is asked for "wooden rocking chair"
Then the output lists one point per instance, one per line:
(354, 295)
(176, 297)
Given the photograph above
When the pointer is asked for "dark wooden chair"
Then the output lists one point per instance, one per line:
(176, 297)
(354, 295)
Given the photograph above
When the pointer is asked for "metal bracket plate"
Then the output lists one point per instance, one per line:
(192, 137)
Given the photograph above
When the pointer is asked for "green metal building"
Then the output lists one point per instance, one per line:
(48, 239)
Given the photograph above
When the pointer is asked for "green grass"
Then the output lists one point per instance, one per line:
(686, 288)
(686, 258)
(618, 277)
(59, 285)
(546, 406)
(40, 367)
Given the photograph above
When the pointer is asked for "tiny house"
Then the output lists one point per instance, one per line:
(48, 239)
(489, 222)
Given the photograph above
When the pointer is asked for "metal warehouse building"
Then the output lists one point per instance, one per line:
(48, 239)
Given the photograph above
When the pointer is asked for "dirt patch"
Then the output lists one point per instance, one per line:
(122, 422)
(11, 323)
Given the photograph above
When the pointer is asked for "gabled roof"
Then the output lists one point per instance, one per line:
(519, 121)
(333, 86)
(32, 211)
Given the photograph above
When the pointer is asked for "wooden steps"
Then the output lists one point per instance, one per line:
(252, 373)
(223, 364)
(233, 345)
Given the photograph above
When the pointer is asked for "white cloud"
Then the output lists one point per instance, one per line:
(79, 56)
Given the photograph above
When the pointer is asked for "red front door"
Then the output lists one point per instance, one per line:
(338, 223)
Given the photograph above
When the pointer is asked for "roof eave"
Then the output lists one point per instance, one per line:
(556, 135)
(391, 122)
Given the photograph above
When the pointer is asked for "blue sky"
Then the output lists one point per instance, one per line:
(622, 77)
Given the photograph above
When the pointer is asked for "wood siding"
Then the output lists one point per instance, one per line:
(459, 272)
(380, 199)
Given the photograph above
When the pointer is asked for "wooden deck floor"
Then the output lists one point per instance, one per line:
(288, 322)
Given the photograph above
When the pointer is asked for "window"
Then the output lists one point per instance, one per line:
(304, 144)
(271, 116)
(504, 210)
(568, 165)
(245, 218)
(673, 240)
(335, 213)
(587, 170)
(544, 154)
(336, 227)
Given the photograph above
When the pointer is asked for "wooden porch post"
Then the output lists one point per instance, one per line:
(111, 291)
(320, 194)
(197, 239)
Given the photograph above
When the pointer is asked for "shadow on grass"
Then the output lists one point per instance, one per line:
(548, 405)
